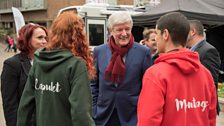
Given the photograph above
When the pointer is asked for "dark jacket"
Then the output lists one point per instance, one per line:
(209, 57)
(124, 97)
(13, 78)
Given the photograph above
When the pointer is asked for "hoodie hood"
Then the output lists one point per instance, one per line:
(47, 60)
(184, 59)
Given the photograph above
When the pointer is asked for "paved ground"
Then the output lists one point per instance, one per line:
(4, 55)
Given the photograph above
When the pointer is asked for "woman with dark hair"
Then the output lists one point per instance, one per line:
(16, 68)
(58, 85)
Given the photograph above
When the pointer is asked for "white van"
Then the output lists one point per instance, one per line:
(95, 16)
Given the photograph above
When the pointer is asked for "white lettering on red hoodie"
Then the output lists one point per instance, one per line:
(177, 91)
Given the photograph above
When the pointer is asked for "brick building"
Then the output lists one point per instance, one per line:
(41, 11)
(37, 11)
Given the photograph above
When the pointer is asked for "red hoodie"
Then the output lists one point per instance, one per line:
(177, 91)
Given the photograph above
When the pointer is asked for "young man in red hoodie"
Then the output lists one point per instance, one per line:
(177, 90)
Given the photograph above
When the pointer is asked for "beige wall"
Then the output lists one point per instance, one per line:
(54, 7)
(125, 2)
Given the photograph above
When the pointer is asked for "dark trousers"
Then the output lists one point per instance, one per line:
(114, 120)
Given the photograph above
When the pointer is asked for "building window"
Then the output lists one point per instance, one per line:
(7, 4)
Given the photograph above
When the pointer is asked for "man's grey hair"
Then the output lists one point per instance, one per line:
(119, 17)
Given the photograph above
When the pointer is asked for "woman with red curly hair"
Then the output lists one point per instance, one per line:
(16, 68)
(58, 86)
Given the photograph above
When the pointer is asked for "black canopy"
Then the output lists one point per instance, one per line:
(209, 12)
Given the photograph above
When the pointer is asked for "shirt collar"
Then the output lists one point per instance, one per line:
(196, 45)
